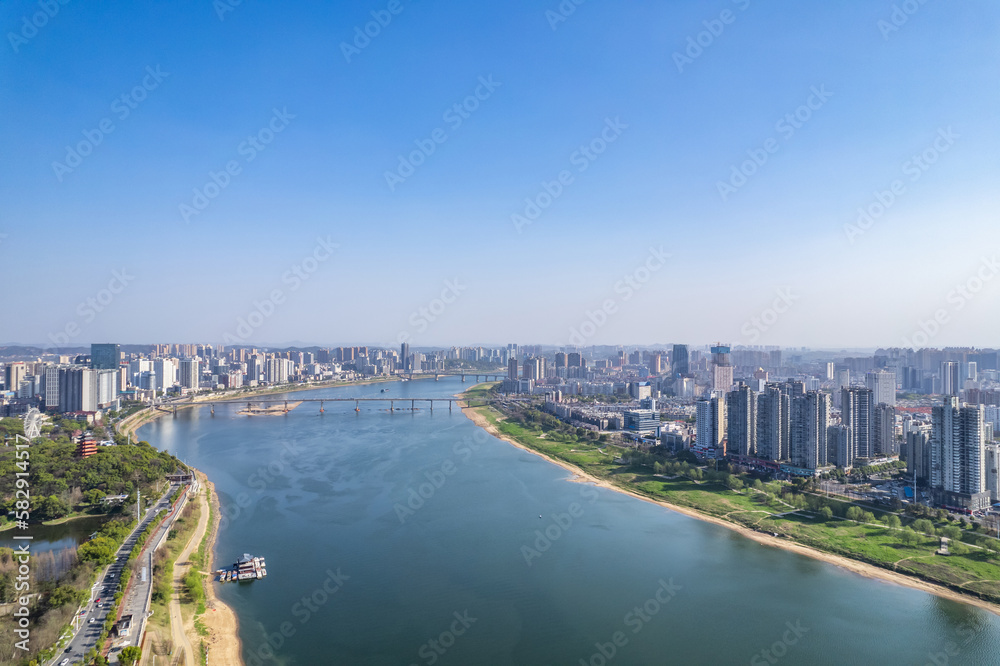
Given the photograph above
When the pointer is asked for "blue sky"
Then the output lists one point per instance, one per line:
(888, 94)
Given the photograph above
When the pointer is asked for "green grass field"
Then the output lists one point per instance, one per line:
(972, 570)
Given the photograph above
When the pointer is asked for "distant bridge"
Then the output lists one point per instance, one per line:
(251, 402)
(487, 376)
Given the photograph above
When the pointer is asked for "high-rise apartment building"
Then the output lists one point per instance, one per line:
(883, 385)
(773, 423)
(710, 422)
(857, 405)
(949, 376)
(741, 415)
(190, 373)
(810, 419)
(958, 466)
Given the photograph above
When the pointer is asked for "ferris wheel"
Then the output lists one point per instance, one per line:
(32, 423)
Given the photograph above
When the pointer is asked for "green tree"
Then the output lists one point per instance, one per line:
(855, 513)
(129, 655)
(908, 536)
(952, 532)
(892, 521)
(925, 526)
(826, 513)
(100, 549)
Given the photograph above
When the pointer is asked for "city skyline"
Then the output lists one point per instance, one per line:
(815, 175)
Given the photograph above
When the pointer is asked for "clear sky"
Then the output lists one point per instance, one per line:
(739, 138)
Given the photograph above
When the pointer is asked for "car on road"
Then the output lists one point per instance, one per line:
(64, 662)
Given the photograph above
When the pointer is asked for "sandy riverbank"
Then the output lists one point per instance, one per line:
(224, 646)
(861, 568)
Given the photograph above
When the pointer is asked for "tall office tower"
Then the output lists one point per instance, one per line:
(710, 421)
(958, 469)
(574, 360)
(190, 373)
(772, 423)
(829, 370)
(404, 357)
(795, 388)
(78, 390)
(166, 373)
(972, 371)
(635, 358)
(105, 356)
(52, 377)
(840, 446)
(512, 368)
(741, 416)
(810, 418)
(949, 378)
(655, 363)
(679, 360)
(856, 407)
(416, 361)
(883, 385)
(884, 430)
(543, 367)
(512, 350)
(560, 363)
(14, 374)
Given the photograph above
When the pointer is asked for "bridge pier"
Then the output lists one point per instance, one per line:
(392, 405)
(432, 405)
(321, 410)
(412, 405)
(213, 410)
(463, 379)
(286, 406)
(175, 410)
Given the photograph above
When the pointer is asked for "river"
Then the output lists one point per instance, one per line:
(413, 537)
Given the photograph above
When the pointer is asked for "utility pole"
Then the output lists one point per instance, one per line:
(138, 504)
